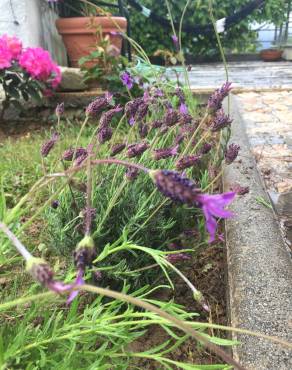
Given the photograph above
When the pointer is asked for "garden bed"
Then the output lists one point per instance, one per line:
(52, 236)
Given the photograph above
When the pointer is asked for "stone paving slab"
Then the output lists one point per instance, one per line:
(268, 123)
(259, 263)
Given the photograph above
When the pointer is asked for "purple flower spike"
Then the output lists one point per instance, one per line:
(176, 187)
(48, 145)
(104, 134)
(187, 161)
(220, 121)
(177, 257)
(142, 111)
(134, 150)
(106, 117)
(132, 106)
(80, 159)
(127, 80)
(165, 153)
(231, 153)
(216, 99)
(213, 206)
(69, 153)
(98, 105)
(171, 117)
(117, 148)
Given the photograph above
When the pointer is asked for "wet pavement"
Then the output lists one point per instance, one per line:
(268, 120)
(251, 75)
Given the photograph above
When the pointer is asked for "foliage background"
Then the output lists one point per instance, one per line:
(239, 38)
(153, 36)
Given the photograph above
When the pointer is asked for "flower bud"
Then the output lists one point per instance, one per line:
(117, 148)
(60, 108)
(231, 153)
(48, 145)
(84, 253)
(40, 270)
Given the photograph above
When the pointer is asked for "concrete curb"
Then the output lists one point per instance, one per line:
(259, 266)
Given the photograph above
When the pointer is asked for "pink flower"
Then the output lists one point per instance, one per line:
(14, 45)
(5, 55)
(38, 63)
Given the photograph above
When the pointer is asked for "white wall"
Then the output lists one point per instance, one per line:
(36, 25)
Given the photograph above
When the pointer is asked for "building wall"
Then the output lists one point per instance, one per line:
(34, 23)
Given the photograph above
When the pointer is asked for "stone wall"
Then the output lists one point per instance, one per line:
(34, 23)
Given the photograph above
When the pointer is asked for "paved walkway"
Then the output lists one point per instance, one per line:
(268, 121)
(244, 75)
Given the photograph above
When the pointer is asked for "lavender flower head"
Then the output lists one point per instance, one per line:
(98, 105)
(48, 145)
(69, 153)
(183, 190)
(134, 150)
(165, 153)
(83, 255)
(186, 162)
(231, 153)
(176, 187)
(177, 257)
(171, 117)
(180, 94)
(185, 119)
(220, 121)
(42, 273)
(216, 99)
(60, 108)
(106, 117)
(131, 109)
(127, 80)
(117, 148)
(104, 134)
(142, 111)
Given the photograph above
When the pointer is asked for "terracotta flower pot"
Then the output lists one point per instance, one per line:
(271, 55)
(80, 36)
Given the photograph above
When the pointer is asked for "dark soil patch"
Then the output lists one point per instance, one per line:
(207, 272)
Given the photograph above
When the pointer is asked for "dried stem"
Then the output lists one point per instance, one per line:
(16, 242)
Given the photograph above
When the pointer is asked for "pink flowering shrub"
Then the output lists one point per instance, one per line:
(25, 73)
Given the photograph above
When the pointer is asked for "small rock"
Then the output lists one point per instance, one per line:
(72, 80)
